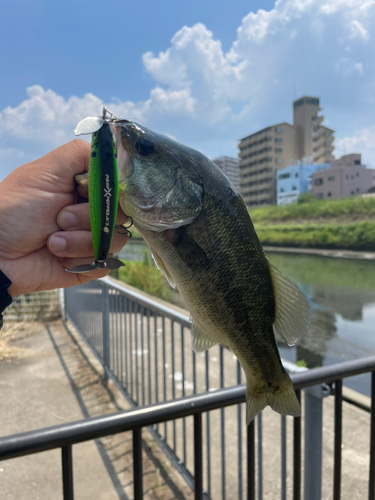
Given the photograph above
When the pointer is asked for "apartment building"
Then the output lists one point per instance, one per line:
(261, 155)
(294, 180)
(265, 152)
(346, 177)
(314, 140)
(229, 166)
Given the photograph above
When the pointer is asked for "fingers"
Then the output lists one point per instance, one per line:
(77, 217)
(58, 168)
(78, 244)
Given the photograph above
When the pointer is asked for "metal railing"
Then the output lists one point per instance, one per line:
(145, 345)
(38, 306)
(66, 435)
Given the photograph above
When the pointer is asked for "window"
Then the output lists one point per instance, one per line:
(327, 152)
(327, 143)
(352, 192)
(296, 174)
(352, 177)
(318, 182)
(294, 188)
(327, 133)
(278, 139)
(357, 190)
(357, 162)
(278, 129)
(278, 160)
(332, 178)
(278, 150)
(284, 176)
(329, 194)
(281, 190)
(319, 195)
(347, 176)
(357, 174)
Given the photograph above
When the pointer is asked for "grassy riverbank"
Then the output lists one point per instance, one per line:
(348, 223)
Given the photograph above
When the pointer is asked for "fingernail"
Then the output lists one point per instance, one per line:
(67, 220)
(58, 244)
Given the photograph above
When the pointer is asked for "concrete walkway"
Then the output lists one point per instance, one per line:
(47, 377)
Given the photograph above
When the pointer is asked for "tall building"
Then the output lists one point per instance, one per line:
(346, 177)
(265, 152)
(229, 166)
(313, 139)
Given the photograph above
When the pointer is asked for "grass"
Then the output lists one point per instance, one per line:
(354, 236)
(355, 208)
(146, 277)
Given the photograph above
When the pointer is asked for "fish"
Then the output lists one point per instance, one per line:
(202, 238)
(103, 192)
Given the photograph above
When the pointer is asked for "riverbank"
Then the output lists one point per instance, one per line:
(336, 254)
(340, 225)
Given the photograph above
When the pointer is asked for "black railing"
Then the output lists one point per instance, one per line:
(66, 435)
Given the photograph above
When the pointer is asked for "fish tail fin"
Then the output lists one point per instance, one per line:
(254, 405)
(282, 400)
(285, 400)
(109, 263)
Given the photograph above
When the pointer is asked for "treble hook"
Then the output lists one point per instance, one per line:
(125, 228)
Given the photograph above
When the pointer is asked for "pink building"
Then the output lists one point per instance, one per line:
(346, 177)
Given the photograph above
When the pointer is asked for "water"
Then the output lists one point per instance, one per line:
(341, 293)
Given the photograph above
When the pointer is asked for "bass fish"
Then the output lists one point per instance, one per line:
(202, 238)
(103, 191)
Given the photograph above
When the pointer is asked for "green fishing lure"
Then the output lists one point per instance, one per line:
(103, 192)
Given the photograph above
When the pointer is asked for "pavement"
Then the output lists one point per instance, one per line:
(48, 376)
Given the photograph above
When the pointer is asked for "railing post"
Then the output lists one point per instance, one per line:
(313, 440)
(105, 311)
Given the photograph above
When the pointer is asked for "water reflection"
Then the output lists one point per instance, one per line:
(341, 293)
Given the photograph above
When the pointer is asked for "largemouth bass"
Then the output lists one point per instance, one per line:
(202, 239)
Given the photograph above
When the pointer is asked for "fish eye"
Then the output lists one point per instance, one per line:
(144, 147)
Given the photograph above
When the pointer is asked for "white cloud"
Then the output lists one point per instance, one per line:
(358, 31)
(346, 67)
(208, 98)
(363, 140)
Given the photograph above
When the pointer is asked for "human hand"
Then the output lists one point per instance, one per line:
(43, 230)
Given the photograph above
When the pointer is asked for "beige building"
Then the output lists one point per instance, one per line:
(346, 177)
(278, 146)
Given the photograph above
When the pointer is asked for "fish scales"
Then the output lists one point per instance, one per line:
(217, 293)
(202, 238)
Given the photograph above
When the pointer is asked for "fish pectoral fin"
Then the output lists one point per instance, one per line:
(292, 312)
(82, 179)
(161, 266)
(200, 340)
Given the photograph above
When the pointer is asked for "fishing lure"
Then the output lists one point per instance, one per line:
(103, 191)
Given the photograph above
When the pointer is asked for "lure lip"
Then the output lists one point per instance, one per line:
(110, 263)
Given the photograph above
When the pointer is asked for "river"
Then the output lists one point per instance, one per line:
(341, 293)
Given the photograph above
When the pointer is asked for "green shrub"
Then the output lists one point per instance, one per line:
(146, 277)
(354, 208)
(355, 236)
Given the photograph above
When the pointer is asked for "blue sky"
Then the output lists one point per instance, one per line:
(205, 72)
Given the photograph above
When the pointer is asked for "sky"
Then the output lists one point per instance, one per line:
(204, 72)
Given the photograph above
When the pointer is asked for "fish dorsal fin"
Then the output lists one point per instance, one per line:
(293, 314)
(160, 265)
(200, 340)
